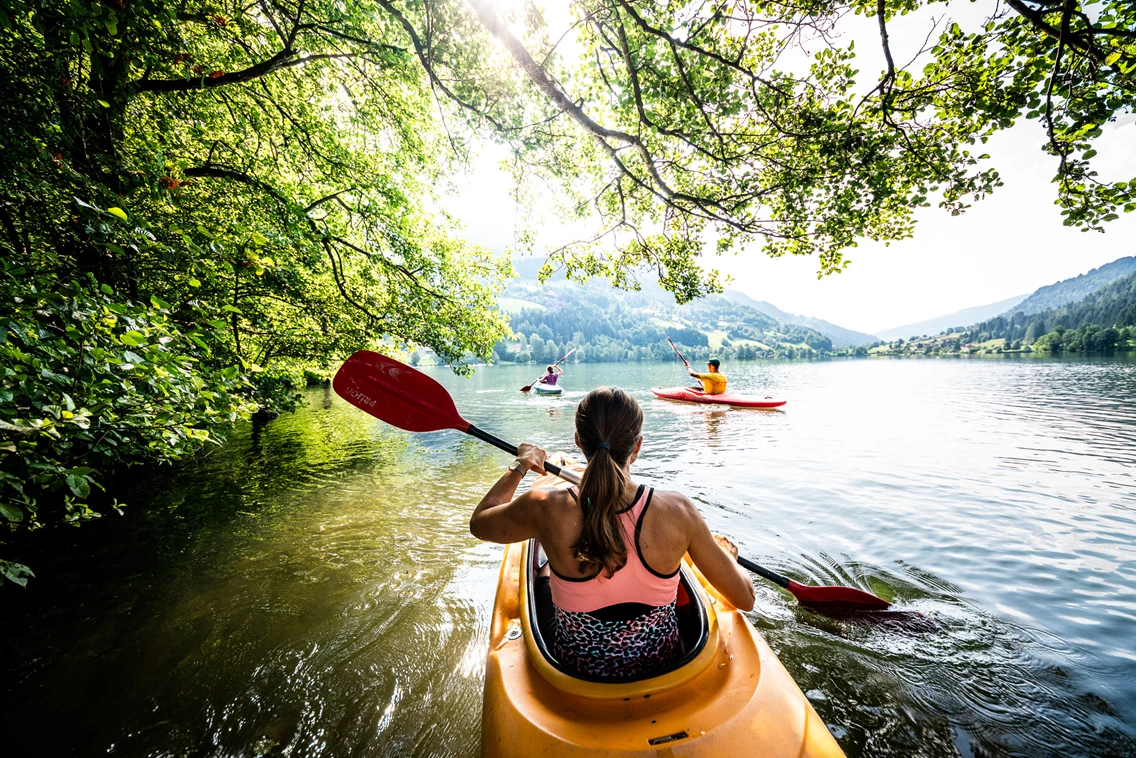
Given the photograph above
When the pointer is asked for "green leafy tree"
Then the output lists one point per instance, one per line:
(683, 123)
(537, 348)
(201, 203)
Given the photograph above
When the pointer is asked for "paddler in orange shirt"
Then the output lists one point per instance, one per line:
(714, 383)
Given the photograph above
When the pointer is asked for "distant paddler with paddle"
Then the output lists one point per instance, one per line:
(551, 375)
(714, 382)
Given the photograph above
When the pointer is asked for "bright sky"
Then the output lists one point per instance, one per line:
(1009, 244)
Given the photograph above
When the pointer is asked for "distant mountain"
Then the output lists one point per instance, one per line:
(1111, 305)
(607, 324)
(1101, 322)
(965, 317)
(1074, 289)
(840, 336)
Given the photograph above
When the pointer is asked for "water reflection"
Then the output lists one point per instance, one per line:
(311, 589)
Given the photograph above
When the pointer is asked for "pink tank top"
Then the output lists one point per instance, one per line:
(635, 582)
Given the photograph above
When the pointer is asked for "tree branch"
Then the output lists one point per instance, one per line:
(204, 82)
(1088, 48)
(421, 52)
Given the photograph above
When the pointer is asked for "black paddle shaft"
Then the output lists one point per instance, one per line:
(777, 579)
(552, 468)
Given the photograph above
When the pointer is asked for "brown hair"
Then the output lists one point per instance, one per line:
(608, 424)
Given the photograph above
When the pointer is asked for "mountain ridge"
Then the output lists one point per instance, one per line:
(1075, 288)
(963, 317)
(839, 336)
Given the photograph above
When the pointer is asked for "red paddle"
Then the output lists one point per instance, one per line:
(409, 399)
(528, 387)
(831, 598)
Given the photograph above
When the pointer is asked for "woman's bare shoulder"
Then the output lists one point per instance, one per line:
(675, 504)
(555, 501)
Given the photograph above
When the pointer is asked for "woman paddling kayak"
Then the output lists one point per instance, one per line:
(552, 374)
(614, 548)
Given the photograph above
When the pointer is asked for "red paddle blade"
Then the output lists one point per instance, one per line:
(837, 598)
(396, 393)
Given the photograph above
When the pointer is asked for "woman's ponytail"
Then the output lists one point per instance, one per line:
(608, 425)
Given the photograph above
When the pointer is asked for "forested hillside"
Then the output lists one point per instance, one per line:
(607, 324)
(1110, 306)
(1099, 323)
(840, 336)
(1076, 288)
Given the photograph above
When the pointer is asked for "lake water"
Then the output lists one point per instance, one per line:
(312, 589)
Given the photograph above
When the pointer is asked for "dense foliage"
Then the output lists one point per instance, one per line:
(186, 228)
(729, 124)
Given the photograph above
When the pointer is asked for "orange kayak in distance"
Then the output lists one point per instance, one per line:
(687, 395)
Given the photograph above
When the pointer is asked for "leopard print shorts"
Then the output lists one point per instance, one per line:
(634, 647)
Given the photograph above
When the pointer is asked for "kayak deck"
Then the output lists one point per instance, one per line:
(688, 395)
(733, 694)
(544, 389)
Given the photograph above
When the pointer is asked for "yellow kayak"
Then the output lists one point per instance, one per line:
(728, 696)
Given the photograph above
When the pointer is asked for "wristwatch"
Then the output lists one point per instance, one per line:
(518, 466)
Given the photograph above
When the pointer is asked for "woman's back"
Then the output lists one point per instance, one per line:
(662, 538)
(636, 582)
(614, 548)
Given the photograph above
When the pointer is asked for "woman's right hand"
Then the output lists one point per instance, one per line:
(728, 547)
(532, 456)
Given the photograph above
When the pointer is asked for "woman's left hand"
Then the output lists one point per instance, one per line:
(532, 456)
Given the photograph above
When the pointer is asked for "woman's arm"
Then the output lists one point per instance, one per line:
(502, 518)
(558, 370)
(715, 556)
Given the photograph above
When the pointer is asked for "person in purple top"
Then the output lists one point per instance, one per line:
(554, 373)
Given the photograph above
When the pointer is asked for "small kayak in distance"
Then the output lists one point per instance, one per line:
(545, 389)
(687, 395)
(729, 695)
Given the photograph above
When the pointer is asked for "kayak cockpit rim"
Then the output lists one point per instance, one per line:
(698, 655)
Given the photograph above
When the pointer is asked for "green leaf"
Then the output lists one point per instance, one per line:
(17, 573)
(259, 239)
(159, 303)
(117, 213)
(79, 485)
(133, 338)
(11, 512)
(105, 104)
